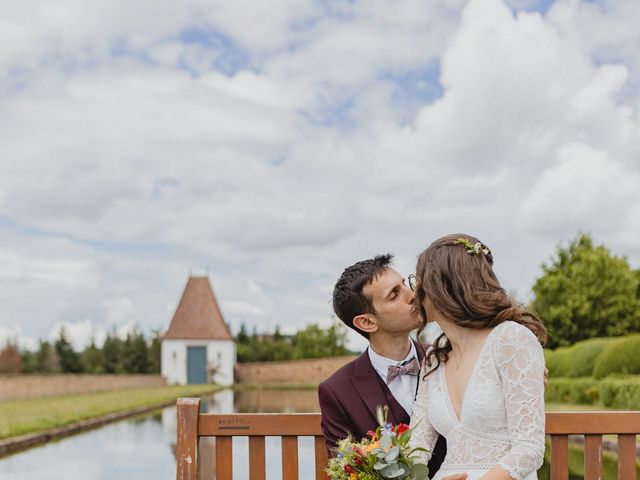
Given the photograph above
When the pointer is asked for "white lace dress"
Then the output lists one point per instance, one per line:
(502, 414)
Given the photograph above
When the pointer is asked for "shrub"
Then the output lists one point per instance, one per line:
(584, 391)
(621, 393)
(619, 356)
(577, 360)
(586, 354)
(612, 392)
(559, 362)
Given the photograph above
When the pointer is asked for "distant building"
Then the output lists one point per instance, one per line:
(198, 347)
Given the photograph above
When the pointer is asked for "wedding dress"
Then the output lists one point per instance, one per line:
(502, 413)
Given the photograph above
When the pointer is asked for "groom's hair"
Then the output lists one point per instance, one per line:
(349, 300)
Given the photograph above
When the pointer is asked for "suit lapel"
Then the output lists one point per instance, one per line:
(419, 351)
(367, 383)
(374, 392)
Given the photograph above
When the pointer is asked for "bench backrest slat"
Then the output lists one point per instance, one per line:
(559, 425)
(224, 457)
(559, 457)
(321, 457)
(289, 457)
(627, 457)
(257, 466)
(592, 457)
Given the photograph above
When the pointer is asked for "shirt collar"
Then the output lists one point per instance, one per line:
(382, 364)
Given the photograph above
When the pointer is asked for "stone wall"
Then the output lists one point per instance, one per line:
(293, 371)
(30, 386)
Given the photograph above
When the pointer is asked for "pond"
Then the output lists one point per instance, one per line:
(143, 447)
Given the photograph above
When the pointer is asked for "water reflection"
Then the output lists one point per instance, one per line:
(143, 447)
(261, 401)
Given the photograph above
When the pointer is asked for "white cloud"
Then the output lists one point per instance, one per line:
(568, 196)
(119, 311)
(79, 334)
(60, 272)
(275, 156)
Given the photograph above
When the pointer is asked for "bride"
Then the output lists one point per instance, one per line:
(481, 385)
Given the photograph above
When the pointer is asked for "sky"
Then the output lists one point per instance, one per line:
(269, 145)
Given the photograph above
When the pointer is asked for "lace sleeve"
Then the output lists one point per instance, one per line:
(520, 363)
(424, 435)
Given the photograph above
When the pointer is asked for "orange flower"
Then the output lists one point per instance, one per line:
(373, 445)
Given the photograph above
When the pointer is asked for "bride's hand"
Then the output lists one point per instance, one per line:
(457, 476)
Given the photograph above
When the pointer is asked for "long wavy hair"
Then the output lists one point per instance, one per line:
(460, 283)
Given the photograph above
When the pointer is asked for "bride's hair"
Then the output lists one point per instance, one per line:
(455, 273)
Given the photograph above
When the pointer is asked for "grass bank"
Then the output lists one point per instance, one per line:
(19, 417)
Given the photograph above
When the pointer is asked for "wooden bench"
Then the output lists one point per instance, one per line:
(193, 425)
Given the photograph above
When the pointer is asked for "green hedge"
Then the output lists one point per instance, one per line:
(621, 356)
(577, 360)
(612, 392)
(559, 362)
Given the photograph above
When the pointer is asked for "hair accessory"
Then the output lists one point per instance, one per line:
(472, 248)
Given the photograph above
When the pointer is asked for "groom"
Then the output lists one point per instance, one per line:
(374, 300)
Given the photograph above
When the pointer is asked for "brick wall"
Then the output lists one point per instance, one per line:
(29, 386)
(293, 371)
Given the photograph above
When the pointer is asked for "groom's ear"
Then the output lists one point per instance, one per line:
(365, 322)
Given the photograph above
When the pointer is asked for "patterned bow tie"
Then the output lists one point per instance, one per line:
(410, 367)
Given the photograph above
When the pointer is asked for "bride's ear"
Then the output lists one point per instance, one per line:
(366, 323)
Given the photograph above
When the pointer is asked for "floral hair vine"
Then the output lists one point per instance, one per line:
(472, 248)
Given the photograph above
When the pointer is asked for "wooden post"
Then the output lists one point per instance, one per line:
(187, 438)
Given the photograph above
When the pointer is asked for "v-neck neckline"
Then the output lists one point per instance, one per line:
(445, 385)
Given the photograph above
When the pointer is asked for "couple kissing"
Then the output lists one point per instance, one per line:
(475, 395)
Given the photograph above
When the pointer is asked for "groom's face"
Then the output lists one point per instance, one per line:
(393, 303)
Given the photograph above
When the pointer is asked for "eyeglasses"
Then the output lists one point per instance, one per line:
(412, 282)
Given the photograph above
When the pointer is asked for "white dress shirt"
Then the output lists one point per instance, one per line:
(403, 387)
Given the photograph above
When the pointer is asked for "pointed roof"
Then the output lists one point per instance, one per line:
(198, 315)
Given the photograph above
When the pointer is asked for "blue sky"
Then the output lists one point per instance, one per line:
(272, 145)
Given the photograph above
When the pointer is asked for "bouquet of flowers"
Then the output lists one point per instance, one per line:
(385, 454)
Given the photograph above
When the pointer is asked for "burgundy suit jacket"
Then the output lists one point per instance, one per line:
(348, 401)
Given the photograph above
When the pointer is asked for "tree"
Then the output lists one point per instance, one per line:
(586, 292)
(70, 360)
(315, 342)
(29, 361)
(135, 353)
(93, 358)
(155, 352)
(10, 359)
(242, 336)
(112, 350)
(47, 360)
(277, 335)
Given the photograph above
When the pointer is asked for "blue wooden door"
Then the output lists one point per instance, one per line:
(196, 365)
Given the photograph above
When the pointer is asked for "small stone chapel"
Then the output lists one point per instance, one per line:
(198, 347)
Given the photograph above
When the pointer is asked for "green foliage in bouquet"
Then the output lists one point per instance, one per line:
(384, 455)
